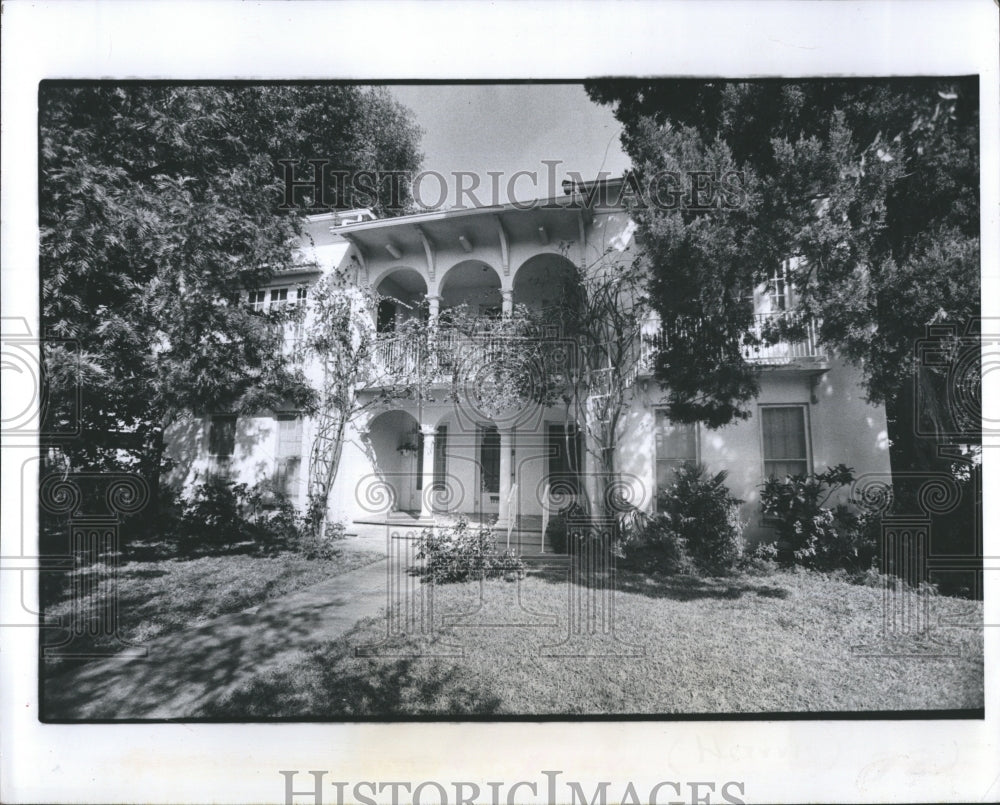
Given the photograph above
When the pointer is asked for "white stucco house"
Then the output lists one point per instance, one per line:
(419, 459)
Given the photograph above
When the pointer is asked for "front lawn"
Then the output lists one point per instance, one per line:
(167, 594)
(744, 644)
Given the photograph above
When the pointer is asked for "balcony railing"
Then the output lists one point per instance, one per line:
(408, 358)
(400, 358)
(781, 353)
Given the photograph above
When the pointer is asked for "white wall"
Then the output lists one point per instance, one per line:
(843, 428)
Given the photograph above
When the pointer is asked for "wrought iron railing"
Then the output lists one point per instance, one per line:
(406, 357)
(763, 352)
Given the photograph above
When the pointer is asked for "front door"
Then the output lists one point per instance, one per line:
(489, 469)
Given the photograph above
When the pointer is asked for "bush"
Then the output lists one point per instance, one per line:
(704, 518)
(213, 513)
(219, 513)
(810, 533)
(762, 558)
(460, 553)
(696, 527)
(651, 543)
(556, 532)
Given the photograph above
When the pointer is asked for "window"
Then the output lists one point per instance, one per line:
(222, 435)
(288, 456)
(785, 446)
(777, 289)
(676, 447)
(300, 295)
(279, 296)
(775, 295)
(256, 300)
(441, 458)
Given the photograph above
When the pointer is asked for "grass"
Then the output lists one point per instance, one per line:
(745, 644)
(168, 594)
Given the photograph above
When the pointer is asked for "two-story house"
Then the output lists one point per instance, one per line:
(413, 460)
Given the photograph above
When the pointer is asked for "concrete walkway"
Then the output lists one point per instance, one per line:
(184, 670)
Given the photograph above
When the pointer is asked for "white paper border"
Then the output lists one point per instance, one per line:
(779, 761)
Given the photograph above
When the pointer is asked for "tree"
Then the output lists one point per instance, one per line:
(871, 185)
(350, 376)
(159, 209)
(602, 310)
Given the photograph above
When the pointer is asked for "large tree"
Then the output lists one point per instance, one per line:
(873, 185)
(160, 205)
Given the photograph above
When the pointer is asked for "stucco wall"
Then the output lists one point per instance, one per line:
(842, 428)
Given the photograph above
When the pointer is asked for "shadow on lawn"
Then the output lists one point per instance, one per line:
(188, 669)
(331, 684)
(677, 588)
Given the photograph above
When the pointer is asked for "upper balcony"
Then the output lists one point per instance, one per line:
(447, 355)
(804, 354)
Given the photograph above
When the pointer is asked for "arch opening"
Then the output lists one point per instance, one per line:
(397, 443)
(404, 293)
(474, 284)
(545, 283)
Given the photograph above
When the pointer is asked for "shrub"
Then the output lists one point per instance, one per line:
(651, 543)
(460, 553)
(556, 532)
(812, 534)
(213, 513)
(762, 558)
(219, 512)
(703, 517)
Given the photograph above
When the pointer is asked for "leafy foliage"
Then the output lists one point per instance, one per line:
(696, 524)
(813, 534)
(651, 543)
(219, 514)
(705, 517)
(214, 513)
(159, 206)
(871, 184)
(557, 530)
(462, 552)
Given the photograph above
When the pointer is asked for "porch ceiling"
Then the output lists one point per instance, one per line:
(560, 221)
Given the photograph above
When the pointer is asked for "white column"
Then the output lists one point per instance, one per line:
(427, 478)
(508, 301)
(434, 302)
(506, 443)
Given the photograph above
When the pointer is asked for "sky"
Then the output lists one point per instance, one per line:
(510, 128)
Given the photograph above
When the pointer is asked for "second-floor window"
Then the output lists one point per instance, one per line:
(778, 290)
(260, 301)
(257, 300)
(776, 295)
